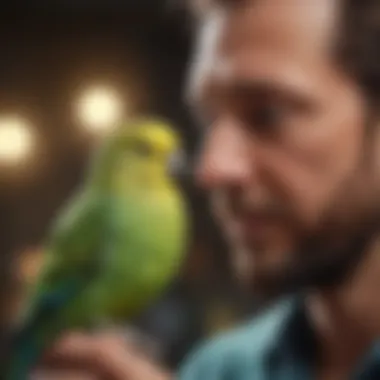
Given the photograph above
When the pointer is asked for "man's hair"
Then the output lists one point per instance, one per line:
(357, 46)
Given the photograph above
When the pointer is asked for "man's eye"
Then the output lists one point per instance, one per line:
(266, 118)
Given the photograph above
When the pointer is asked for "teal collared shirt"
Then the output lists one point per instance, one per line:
(276, 345)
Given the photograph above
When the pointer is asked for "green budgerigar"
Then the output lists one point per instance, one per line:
(114, 247)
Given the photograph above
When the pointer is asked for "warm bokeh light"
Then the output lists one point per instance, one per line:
(99, 109)
(16, 140)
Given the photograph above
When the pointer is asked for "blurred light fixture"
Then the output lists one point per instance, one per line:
(16, 140)
(99, 108)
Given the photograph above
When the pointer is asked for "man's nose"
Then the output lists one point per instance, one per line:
(225, 157)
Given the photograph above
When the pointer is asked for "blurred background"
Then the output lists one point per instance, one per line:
(68, 70)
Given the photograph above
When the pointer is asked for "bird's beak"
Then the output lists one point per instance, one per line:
(178, 165)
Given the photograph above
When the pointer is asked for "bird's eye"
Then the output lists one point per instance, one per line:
(143, 149)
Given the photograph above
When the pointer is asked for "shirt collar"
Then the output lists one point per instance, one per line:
(294, 341)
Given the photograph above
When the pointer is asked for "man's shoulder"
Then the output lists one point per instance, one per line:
(239, 351)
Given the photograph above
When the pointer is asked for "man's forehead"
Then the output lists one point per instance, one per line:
(262, 39)
(266, 72)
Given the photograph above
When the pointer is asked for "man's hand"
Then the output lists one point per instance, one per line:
(105, 356)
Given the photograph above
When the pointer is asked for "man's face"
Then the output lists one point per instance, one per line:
(285, 136)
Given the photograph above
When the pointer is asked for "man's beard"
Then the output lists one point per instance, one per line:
(323, 260)
(328, 255)
(319, 267)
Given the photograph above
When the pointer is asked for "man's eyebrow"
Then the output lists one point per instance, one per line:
(249, 89)
(252, 88)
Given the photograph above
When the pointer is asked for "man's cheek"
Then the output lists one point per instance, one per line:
(296, 185)
(308, 200)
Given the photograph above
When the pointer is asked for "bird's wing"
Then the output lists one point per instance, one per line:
(73, 257)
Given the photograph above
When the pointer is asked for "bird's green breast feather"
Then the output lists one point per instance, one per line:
(145, 241)
(150, 238)
(147, 238)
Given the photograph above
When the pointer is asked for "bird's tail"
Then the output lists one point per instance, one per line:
(24, 349)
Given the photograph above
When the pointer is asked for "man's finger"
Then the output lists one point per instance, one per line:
(102, 355)
(107, 356)
(72, 347)
(62, 375)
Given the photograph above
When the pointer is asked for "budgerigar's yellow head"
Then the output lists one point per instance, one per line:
(155, 135)
(150, 148)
